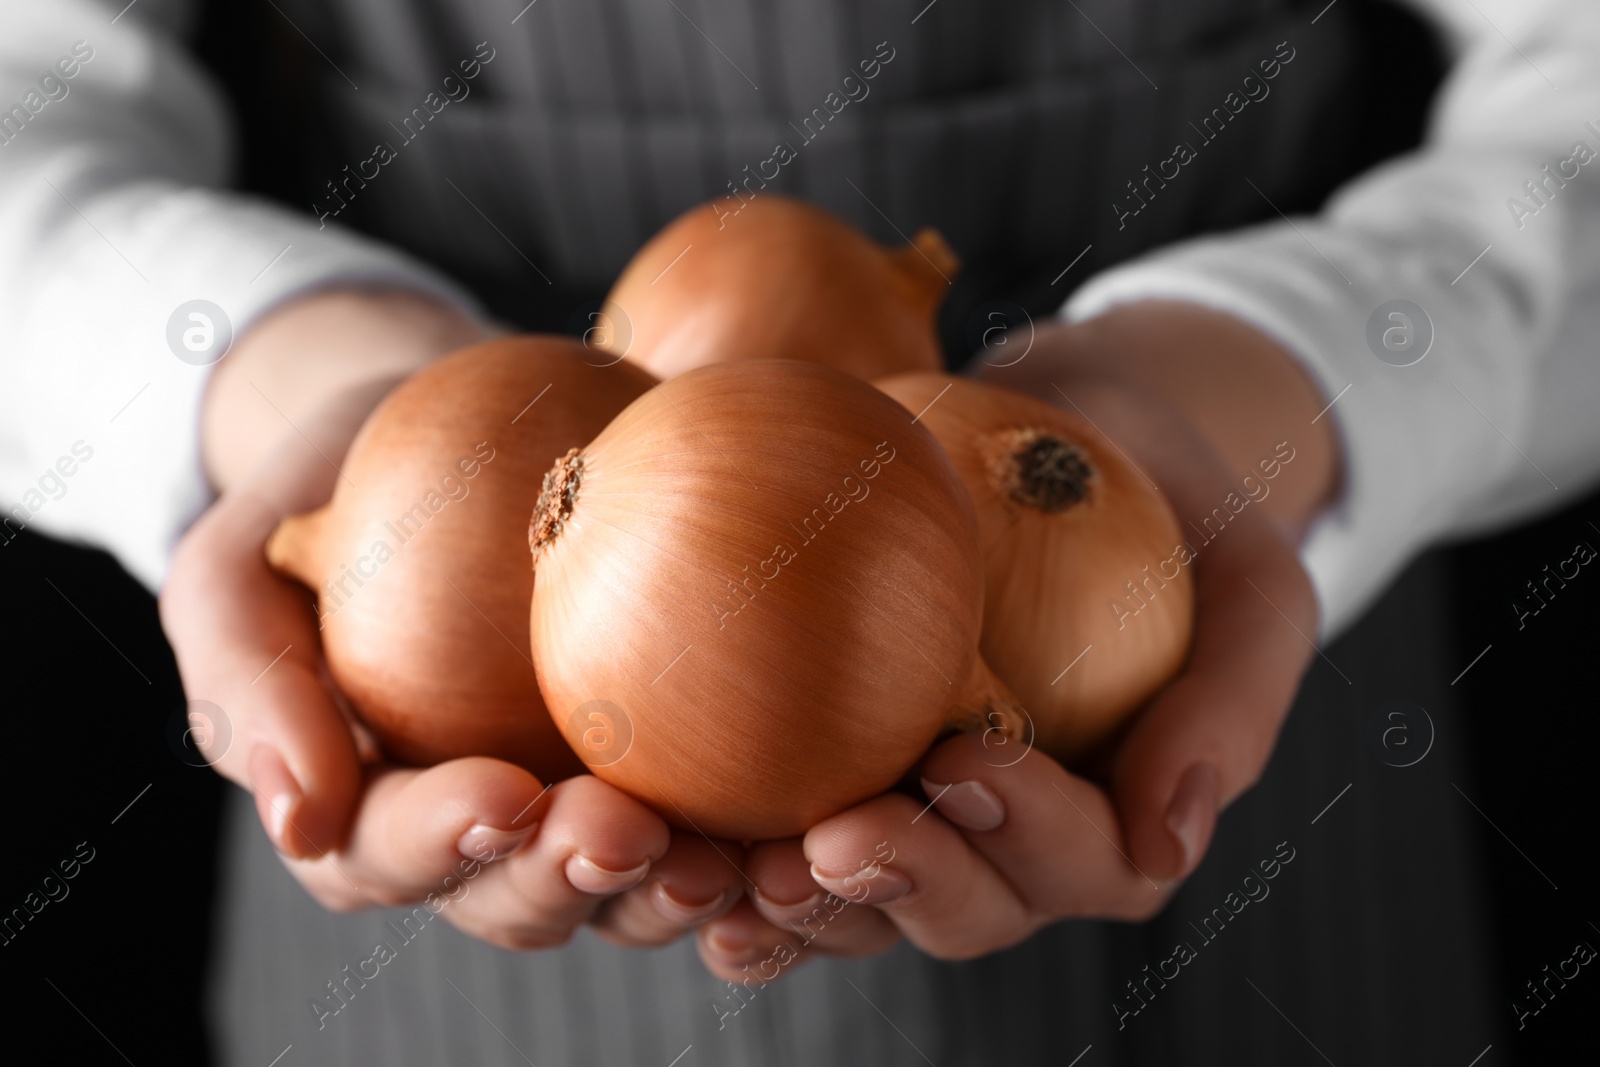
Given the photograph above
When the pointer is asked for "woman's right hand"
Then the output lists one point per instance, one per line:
(483, 842)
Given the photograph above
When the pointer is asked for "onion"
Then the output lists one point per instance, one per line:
(420, 560)
(778, 279)
(758, 598)
(1077, 546)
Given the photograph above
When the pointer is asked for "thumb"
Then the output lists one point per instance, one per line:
(246, 643)
(1206, 738)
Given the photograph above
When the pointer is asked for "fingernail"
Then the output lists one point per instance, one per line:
(489, 843)
(873, 884)
(970, 805)
(1192, 815)
(786, 913)
(678, 911)
(587, 876)
(733, 947)
(278, 798)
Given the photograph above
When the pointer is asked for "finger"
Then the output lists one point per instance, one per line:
(791, 903)
(245, 641)
(780, 877)
(754, 949)
(414, 830)
(788, 898)
(594, 843)
(695, 881)
(1053, 836)
(733, 945)
(1207, 737)
(918, 869)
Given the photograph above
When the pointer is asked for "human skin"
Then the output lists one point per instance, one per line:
(356, 830)
(1196, 396)
(1198, 399)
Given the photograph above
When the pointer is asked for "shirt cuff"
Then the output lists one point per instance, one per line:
(143, 483)
(1404, 445)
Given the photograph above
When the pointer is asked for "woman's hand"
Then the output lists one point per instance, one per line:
(520, 865)
(1003, 846)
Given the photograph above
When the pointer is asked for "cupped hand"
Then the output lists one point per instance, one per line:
(506, 858)
(1001, 846)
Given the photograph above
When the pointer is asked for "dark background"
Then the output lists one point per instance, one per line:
(115, 972)
(120, 960)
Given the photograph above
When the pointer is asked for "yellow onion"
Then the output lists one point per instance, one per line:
(777, 278)
(757, 598)
(1088, 605)
(420, 563)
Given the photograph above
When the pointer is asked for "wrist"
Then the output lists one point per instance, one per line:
(315, 347)
(1246, 395)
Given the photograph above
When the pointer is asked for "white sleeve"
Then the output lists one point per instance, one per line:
(113, 149)
(1492, 228)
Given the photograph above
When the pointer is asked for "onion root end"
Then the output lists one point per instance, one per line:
(556, 499)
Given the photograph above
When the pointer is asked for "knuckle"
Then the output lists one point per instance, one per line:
(956, 952)
(530, 939)
(957, 945)
(1141, 908)
(327, 888)
(514, 937)
(1140, 913)
(632, 938)
(339, 901)
(389, 898)
(1255, 761)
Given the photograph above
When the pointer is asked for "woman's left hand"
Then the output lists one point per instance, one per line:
(1001, 846)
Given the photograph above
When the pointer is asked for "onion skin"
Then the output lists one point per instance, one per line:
(431, 649)
(778, 279)
(1051, 576)
(754, 718)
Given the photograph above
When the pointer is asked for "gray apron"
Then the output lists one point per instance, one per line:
(1026, 131)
